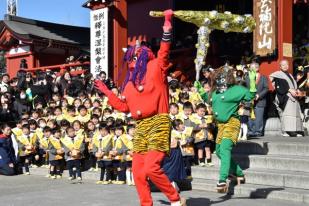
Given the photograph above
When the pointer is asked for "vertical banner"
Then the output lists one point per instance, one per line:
(99, 41)
(265, 33)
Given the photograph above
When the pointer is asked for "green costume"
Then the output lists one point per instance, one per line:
(225, 109)
(201, 91)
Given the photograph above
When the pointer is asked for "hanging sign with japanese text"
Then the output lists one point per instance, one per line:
(99, 41)
(265, 33)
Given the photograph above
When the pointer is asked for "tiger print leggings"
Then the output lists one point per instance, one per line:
(152, 133)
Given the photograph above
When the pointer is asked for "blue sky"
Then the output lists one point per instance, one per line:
(59, 11)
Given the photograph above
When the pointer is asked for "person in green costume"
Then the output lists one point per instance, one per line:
(203, 89)
(226, 97)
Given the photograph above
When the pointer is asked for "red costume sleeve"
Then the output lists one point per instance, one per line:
(163, 53)
(117, 103)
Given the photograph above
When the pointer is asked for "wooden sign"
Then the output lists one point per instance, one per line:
(287, 50)
(265, 33)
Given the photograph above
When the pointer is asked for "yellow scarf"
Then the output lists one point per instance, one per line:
(186, 149)
(90, 140)
(80, 133)
(17, 132)
(59, 118)
(44, 142)
(83, 119)
(70, 99)
(126, 141)
(70, 118)
(177, 116)
(199, 136)
(27, 141)
(119, 115)
(57, 145)
(195, 98)
(209, 119)
(182, 135)
(103, 142)
(55, 142)
(72, 144)
(39, 132)
(122, 140)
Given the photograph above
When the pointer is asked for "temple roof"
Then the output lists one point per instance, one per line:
(28, 30)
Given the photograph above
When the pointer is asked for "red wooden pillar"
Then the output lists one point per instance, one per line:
(120, 40)
(285, 32)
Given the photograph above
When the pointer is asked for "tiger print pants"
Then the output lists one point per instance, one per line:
(152, 133)
(151, 143)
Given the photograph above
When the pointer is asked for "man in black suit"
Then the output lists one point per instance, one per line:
(256, 126)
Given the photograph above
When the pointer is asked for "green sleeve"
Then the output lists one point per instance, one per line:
(204, 96)
(238, 93)
(199, 88)
(248, 96)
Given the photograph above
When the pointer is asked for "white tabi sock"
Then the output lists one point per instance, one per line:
(128, 176)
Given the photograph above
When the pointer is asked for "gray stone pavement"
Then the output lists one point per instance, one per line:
(40, 191)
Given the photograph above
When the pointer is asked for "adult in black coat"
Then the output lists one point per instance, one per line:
(7, 112)
(37, 87)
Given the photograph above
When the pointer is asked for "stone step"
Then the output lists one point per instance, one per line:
(256, 191)
(273, 162)
(274, 145)
(299, 180)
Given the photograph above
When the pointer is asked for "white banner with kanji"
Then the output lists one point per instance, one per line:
(99, 41)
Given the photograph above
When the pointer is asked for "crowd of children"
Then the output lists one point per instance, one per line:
(77, 134)
(85, 133)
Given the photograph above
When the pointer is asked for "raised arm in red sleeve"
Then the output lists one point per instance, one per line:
(163, 56)
(163, 53)
(113, 100)
(117, 103)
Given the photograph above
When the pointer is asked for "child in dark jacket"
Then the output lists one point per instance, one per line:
(7, 155)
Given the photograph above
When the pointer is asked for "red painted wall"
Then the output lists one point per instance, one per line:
(140, 24)
(13, 62)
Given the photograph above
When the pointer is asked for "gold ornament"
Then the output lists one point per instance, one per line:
(198, 18)
(208, 21)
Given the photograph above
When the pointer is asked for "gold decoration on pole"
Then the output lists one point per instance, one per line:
(208, 21)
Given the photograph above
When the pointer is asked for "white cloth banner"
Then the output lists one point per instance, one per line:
(99, 41)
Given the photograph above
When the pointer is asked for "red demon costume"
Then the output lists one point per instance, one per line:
(145, 96)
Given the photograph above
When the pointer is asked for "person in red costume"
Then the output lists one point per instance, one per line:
(145, 96)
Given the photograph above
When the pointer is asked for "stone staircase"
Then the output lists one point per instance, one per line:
(275, 168)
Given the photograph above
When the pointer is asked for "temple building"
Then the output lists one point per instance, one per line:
(40, 43)
(46, 44)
